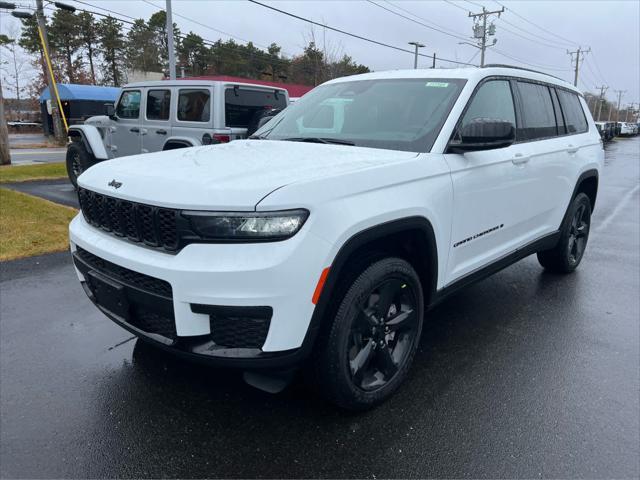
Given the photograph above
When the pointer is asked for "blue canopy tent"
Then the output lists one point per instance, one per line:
(78, 101)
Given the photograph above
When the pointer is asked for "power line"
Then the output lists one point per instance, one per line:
(453, 4)
(545, 67)
(566, 40)
(181, 36)
(415, 21)
(359, 37)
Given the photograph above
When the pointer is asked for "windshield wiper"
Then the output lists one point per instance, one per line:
(318, 140)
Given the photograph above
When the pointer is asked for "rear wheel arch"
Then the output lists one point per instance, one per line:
(588, 184)
(173, 144)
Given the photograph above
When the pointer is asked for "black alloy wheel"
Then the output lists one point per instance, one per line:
(382, 334)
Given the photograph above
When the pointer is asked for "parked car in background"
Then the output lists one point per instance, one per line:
(324, 239)
(605, 134)
(628, 129)
(165, 115)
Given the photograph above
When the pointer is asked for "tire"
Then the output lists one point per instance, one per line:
(360, 361)
(574, 234)
(78, 160)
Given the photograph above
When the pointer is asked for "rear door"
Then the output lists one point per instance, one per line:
(156, 127)
(243, 105)
(125, 132)
(548, 174)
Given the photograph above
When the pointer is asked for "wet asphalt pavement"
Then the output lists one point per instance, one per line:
(525, 374)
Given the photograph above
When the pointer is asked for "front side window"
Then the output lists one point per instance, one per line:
(242, 104)
(194, 105)
(158, 104)
(492, 101)
(538, 116)
(573, 113)
(129, 104)
(396, 114)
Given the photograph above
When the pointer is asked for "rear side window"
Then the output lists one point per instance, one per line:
(494, 101)
(241, 104)
(158, 102)
(129, 104)
(562, 128)
(538, 116)
(573, 113)
(194, 105)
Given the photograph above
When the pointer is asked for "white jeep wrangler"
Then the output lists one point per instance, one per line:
(164, 115)
(325, 239)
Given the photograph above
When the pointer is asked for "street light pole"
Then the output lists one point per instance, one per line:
(415, 57)
(56, 108)
(172, 55)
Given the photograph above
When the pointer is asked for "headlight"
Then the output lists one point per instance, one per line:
(239, 226)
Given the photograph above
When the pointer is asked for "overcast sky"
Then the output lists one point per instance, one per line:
(609, 28)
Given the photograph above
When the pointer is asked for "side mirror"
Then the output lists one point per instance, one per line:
(110, 110)
(484, 134)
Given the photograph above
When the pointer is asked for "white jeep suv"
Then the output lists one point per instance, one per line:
(324, 240)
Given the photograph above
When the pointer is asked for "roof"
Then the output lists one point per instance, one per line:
(71, 91)
(470, 73)
(294, 89)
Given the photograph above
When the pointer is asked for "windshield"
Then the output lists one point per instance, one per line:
(395, 114)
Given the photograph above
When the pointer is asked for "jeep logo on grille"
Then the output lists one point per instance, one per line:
(114, 184)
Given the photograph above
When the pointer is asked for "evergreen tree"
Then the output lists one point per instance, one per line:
(112, 46)
(88, 36)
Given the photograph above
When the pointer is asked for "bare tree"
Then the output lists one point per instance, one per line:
(16, 68)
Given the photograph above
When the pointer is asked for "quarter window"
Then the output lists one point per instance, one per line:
(573, 113)
(538, 117)
(194, 105)
(129, 104)
(241, 104)
(494, 101)
(158, 103)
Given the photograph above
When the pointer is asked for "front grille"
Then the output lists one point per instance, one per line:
(154, 226)
(126, 276)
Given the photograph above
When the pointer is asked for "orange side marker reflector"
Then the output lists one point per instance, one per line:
(320, 286)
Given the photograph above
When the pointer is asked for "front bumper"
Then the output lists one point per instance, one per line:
(276, 278)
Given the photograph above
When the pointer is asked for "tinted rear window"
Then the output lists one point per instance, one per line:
(538, 116)
(158, 102)
(573, 113)
(194, 105)
(241, 104)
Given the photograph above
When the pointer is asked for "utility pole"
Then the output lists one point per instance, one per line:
(415, 57)
(620, 93)
(629, 107)
(58, 131)
(433, 65)
(577, 54)
(5, 153)
(172, 54)
(481, 32)
(603, 89)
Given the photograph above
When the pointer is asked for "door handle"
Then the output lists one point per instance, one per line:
(572, 149)
(519, 159)
(134, 130)
(161, 132)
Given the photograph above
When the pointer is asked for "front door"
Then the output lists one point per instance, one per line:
(125, 132)
(486, 223)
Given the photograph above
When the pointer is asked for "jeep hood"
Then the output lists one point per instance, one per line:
(232, 176)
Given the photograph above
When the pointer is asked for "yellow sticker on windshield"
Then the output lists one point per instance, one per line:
(437, 84)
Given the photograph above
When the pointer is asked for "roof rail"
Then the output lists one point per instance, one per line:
(504, 65)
